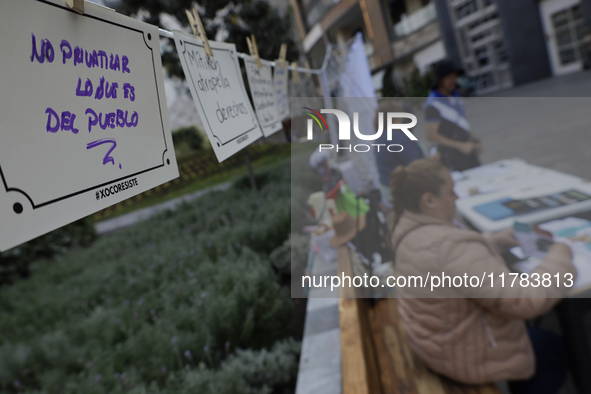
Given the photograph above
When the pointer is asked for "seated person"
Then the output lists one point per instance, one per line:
(478, 335)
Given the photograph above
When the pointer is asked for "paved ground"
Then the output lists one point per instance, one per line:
(571, 85)
(547, 123)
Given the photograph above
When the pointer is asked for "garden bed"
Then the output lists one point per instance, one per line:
(192, 300)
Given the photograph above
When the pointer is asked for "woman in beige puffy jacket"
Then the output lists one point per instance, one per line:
(473, 335)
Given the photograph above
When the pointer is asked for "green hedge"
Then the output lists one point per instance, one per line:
(189, 135)
(15, 262)
(163, 306)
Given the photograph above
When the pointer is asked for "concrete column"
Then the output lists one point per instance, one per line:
(586, 8)
(525, 40)
(447, 32)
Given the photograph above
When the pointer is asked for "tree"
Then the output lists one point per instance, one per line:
(419, 84)
(231, 21)
(389, 88)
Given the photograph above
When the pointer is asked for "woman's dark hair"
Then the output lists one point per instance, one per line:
(408, 184)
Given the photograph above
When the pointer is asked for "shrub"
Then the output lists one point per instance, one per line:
(189, 135)
(419, 85)
(277, 175)
(389, 87)
(15, 262)
(292, 256)
(162, 306)
(247, 372)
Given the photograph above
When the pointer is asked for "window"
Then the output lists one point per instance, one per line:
(483, 21)
(570, 32)
(501, 52)
(581, 31)
(563, 37)
(560, 19)
(481, 36)
(482, 57)
(397, 9)
(484, 81)
(567, 56)
(464, 42)
(466, 9)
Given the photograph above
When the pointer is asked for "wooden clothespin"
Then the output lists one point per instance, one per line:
(199, 30)
(253, 49)
(250, 48)
(309, 72)
(282, 55)
(294, 73)
(76, 5)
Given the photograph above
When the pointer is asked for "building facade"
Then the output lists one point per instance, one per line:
(500, 43)
(504, 43)
(403, 34)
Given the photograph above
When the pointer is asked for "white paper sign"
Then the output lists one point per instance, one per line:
(262, 90)
(219, 94)
(83, 121)
(280, 79)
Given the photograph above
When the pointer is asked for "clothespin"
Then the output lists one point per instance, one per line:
(76, 5)
(294, 73)
(282, 55)
(308, 73)
(253, 49)
(250, 48)
(199, 30)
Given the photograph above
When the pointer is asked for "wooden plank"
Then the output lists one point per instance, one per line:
(427, 382)
(354, 367)
(392, 360)
(409, 375)
(369, 348)
(344, 267)
(359, 366)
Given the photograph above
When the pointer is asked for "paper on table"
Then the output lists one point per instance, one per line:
(533, 240)
(463, 189)
(574, 232)
(490, 170)
(518, 252)
(457, 176)
(526, 266)
(561, 225)
(569, 230)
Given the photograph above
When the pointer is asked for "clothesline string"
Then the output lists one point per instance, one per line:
(168, 34)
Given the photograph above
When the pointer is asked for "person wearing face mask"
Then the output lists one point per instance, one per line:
(446, 123)
(473, 335)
